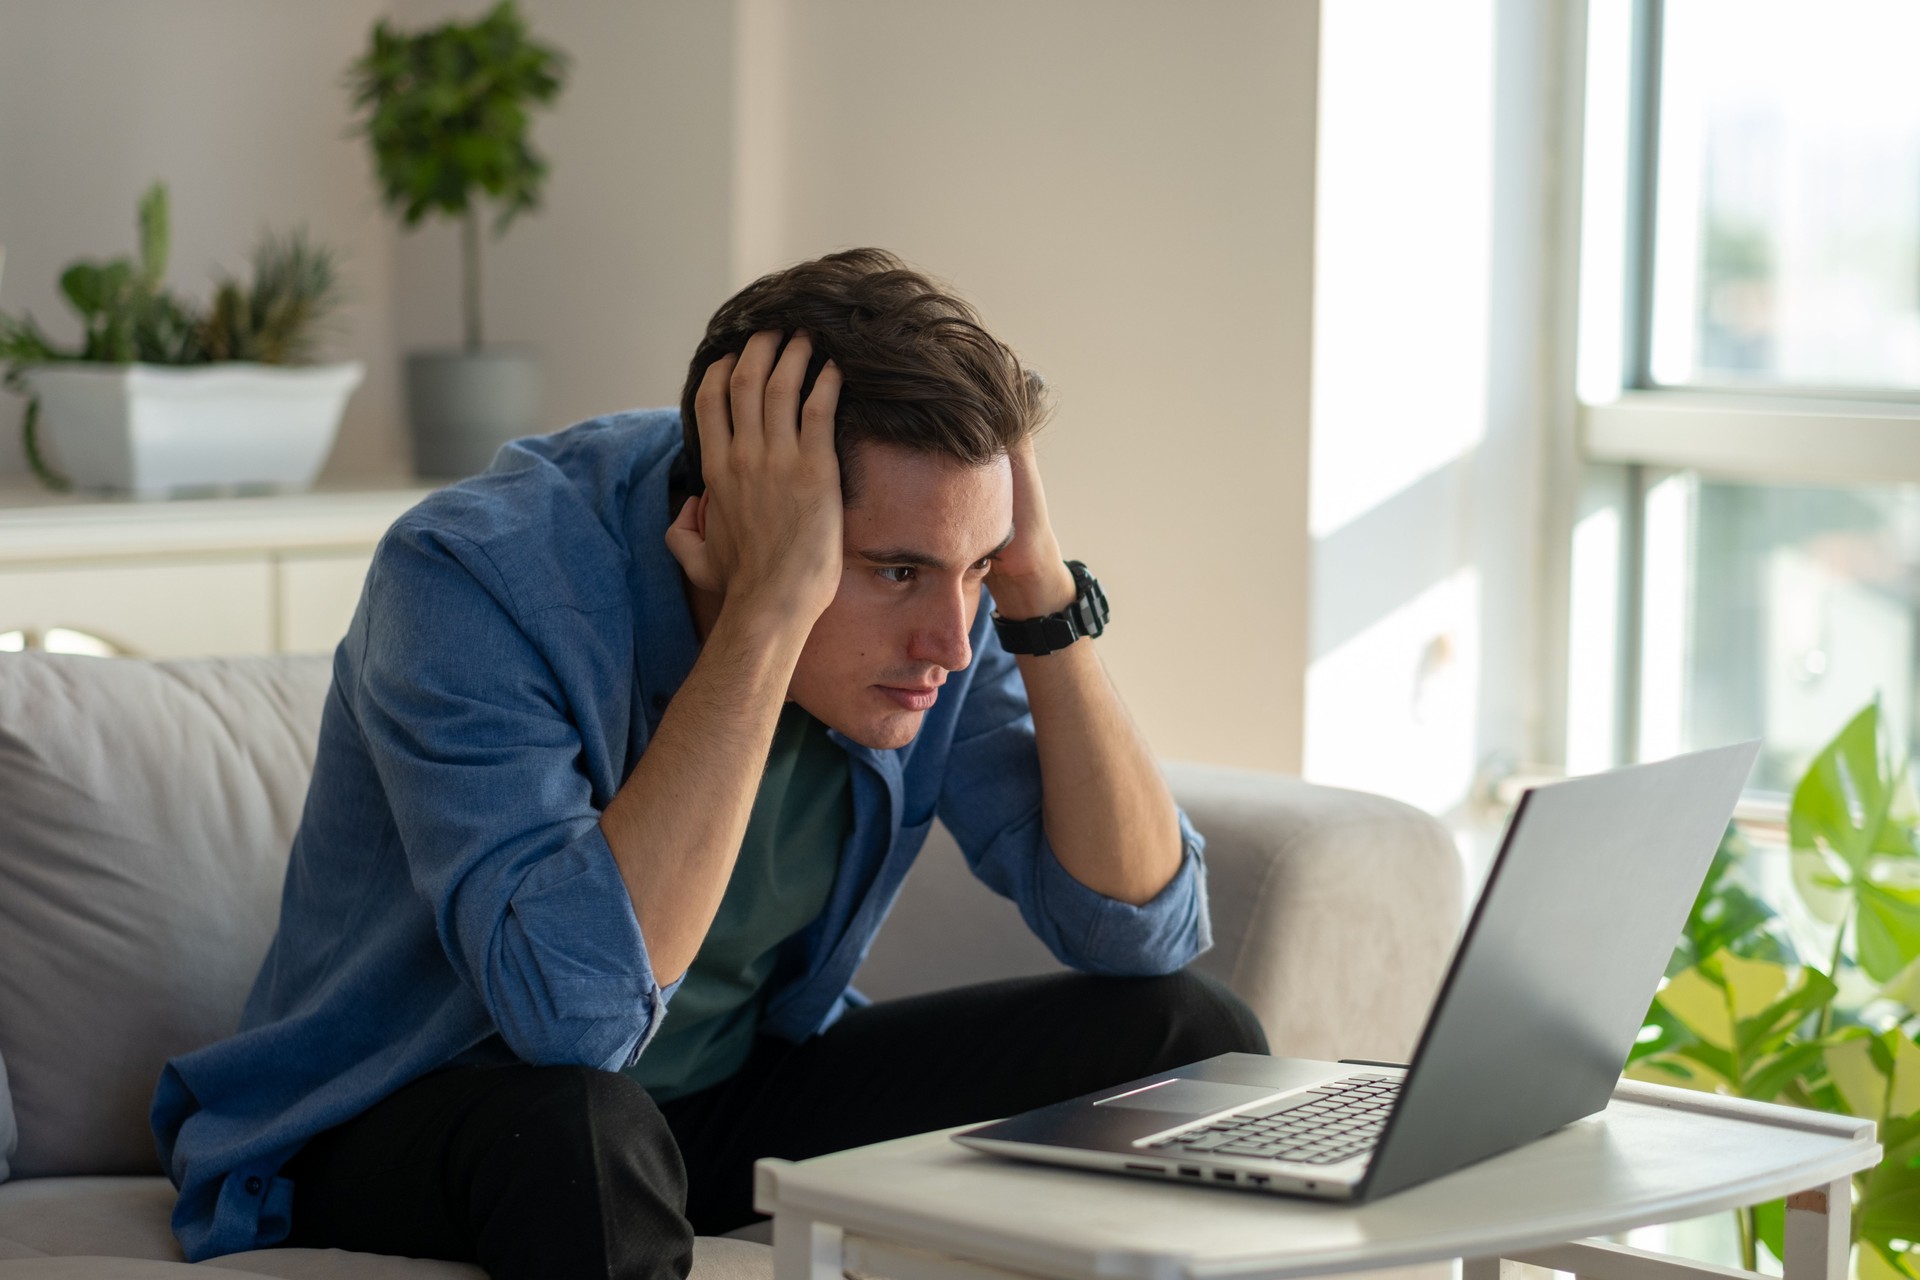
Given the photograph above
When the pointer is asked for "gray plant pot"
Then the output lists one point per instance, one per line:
(464, 405)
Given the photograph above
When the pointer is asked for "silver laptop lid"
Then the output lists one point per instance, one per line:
(1568, 941)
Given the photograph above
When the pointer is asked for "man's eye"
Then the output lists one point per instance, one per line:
(985, 565)
(896, 573)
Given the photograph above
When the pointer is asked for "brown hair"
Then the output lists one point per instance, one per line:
(918, 369)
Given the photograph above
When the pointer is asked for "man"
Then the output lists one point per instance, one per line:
(613, 790)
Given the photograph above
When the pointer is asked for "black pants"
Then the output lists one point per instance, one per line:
(561, 1172)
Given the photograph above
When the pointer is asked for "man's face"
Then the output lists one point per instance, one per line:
(918, 542)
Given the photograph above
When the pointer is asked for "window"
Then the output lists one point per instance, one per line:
(1748, 364)
(1786, 235)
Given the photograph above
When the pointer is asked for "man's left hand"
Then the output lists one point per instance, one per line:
(1029, 579)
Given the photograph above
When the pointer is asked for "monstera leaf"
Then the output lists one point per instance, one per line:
(1852, 816)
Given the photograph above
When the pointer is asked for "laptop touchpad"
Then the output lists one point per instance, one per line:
(1194, 1097)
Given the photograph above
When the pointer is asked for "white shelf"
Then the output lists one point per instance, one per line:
(36, 527)
(277, 573)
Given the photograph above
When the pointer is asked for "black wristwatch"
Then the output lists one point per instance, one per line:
(1086, 616)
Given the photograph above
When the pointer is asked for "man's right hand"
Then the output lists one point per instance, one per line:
(766, 534)
(765, 539)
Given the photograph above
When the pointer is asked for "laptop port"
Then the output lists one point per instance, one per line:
(1258, 1179)
(1221, 1175)
(1148, 1168)
(1189, 1171)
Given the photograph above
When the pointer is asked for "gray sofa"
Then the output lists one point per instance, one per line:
(145, 814)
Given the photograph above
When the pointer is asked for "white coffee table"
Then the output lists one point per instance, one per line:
(925, 1208)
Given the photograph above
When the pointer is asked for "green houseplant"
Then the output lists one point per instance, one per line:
(1743, 1013)
(446, 111)
(163, 394)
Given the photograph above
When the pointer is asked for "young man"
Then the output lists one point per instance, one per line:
(628, 749)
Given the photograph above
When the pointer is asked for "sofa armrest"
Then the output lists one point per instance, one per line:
(1334, 912)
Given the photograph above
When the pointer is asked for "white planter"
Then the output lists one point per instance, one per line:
(154, 430)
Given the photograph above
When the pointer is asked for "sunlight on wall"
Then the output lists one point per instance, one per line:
(1593, 643)
(1402, 247)
(1603, 195)
(1392, 710)
(1402, 342)
(1665, 623)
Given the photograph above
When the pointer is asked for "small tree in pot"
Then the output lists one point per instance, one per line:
(447, 111)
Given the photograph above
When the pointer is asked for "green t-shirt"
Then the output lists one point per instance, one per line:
(801, 817)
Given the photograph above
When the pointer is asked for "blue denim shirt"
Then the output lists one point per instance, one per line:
(450, 898)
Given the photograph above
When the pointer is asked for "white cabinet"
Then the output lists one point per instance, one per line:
(188, 579)
(317, 593)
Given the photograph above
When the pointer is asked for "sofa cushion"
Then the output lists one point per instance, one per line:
(146, 811)
(13, 1250)
(107, 1268)
(126, 1217)
(714, 1258)
(339, 1264)
(9, 1131)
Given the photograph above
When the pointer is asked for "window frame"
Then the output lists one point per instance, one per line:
(1792, 434)
(1618, 432)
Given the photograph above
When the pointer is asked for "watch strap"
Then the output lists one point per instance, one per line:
(1086, 616)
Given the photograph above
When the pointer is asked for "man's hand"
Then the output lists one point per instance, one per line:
(767, 531)
(1108, 814)
(1029, 579)
(765, 539)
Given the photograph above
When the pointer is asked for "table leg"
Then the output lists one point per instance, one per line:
(1819, 1231)
(804, 1249)
(1479, 1269)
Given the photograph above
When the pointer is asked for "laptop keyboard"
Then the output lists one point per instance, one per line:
(1330, 1123)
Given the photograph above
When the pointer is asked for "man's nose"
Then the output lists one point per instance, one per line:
(941, 637)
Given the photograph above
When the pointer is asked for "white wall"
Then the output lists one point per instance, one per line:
(238, 106)
(1125, 189)
(1435, 207)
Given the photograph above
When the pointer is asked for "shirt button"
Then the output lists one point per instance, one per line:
(254, 1184)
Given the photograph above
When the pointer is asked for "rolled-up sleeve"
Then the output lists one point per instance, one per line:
(990, 801)
(483, 768)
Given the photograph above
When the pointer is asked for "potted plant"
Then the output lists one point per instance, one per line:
(1744, 1012)
(163, 396)
(447, 114)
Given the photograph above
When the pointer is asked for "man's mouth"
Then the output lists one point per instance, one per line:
(917, 697)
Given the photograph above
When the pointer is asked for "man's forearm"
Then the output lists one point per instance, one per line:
(676, 825)
(1108, 813)
(1109, 816)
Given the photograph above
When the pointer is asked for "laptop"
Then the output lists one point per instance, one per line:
(1531, 1027)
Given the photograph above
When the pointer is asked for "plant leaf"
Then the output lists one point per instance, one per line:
(1847, 797)
(1770, 1226)
(1887, 930)
(1761, 1034)
(155, 235)
(1889, 1202)
(1764, 1082)
(1876, 1263)
(1862, 1084)
(1688, 1068)
(1903, 1098)
(1752, 985)
(1699, 1003)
